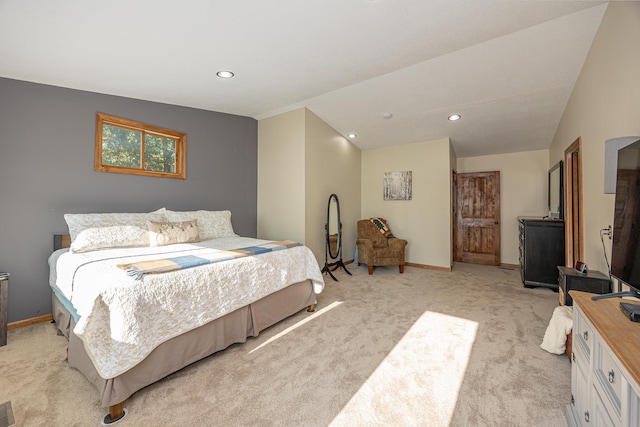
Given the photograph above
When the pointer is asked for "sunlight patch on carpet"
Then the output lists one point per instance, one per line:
(420, 377)
(312, 316)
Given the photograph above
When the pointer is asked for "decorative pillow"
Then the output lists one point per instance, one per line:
(211, 224)
(382, 226)
(79, 222)
(169, 233)
(115, 236)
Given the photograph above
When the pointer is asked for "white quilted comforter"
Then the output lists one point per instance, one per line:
(122, 320)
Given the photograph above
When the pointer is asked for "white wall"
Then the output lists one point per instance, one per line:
(332, 167)
(605, 103)
(281, 177)
(523, 191)
(301, 162)
(424, 221)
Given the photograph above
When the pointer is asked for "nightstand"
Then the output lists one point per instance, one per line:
(592, 281)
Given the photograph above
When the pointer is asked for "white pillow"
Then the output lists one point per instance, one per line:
(211, 224)
(80, 222)
(169, 233)
(114, 236)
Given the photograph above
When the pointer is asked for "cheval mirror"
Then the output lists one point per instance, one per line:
(333, 237)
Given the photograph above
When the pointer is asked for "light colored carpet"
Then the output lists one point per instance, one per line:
(424, 348)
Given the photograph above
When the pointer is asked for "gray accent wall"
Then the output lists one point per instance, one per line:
(47, 137)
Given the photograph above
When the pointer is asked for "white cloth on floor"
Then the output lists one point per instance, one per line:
(555, 338)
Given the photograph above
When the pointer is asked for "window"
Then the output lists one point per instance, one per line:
(125, 146)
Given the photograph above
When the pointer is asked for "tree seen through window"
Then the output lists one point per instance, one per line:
(124, 146)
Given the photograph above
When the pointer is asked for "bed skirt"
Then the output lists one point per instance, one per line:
(187, 348)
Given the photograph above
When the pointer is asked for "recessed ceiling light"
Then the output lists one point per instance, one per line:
(225, 74)
(455, 117)
(387, 115)
(352, 136)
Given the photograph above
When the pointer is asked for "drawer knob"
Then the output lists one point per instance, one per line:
(586, 416)
(585, 335)
(611, 376)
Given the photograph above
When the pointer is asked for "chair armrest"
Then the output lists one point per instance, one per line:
(368, 244)
(397, 244)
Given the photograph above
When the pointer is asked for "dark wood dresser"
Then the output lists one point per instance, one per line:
(541, 251)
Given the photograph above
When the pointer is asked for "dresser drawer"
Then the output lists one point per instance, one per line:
(605, 390)
(608, 369)
(583, 334)
(601, 416)
(634, 405)
(608, 378)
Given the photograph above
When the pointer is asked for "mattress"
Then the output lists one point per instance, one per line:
(121, 320)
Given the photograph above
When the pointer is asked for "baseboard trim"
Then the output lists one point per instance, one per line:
(514, 266)
(428, 267)
(29, 322)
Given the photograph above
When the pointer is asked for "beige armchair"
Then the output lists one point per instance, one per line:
(374, 249)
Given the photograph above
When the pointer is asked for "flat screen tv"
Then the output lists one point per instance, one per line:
(625, 251)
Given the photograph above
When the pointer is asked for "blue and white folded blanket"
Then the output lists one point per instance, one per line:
(139, 269)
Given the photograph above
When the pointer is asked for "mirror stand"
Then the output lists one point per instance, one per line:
(333, 236)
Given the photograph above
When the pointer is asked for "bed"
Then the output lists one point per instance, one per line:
(136, 307)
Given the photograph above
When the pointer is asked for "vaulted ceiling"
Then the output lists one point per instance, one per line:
(507, 67)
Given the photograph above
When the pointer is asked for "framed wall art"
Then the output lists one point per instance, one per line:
(397, 185)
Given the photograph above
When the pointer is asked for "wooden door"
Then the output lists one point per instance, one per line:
(478, 218)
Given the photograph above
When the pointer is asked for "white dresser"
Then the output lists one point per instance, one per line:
(605, 369)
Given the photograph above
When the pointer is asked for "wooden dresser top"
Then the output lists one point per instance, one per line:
(621, 334)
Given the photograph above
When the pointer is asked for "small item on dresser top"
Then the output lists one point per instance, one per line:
(581, 267)
(631, 310)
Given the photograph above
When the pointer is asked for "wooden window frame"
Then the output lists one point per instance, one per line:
(179, 137)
